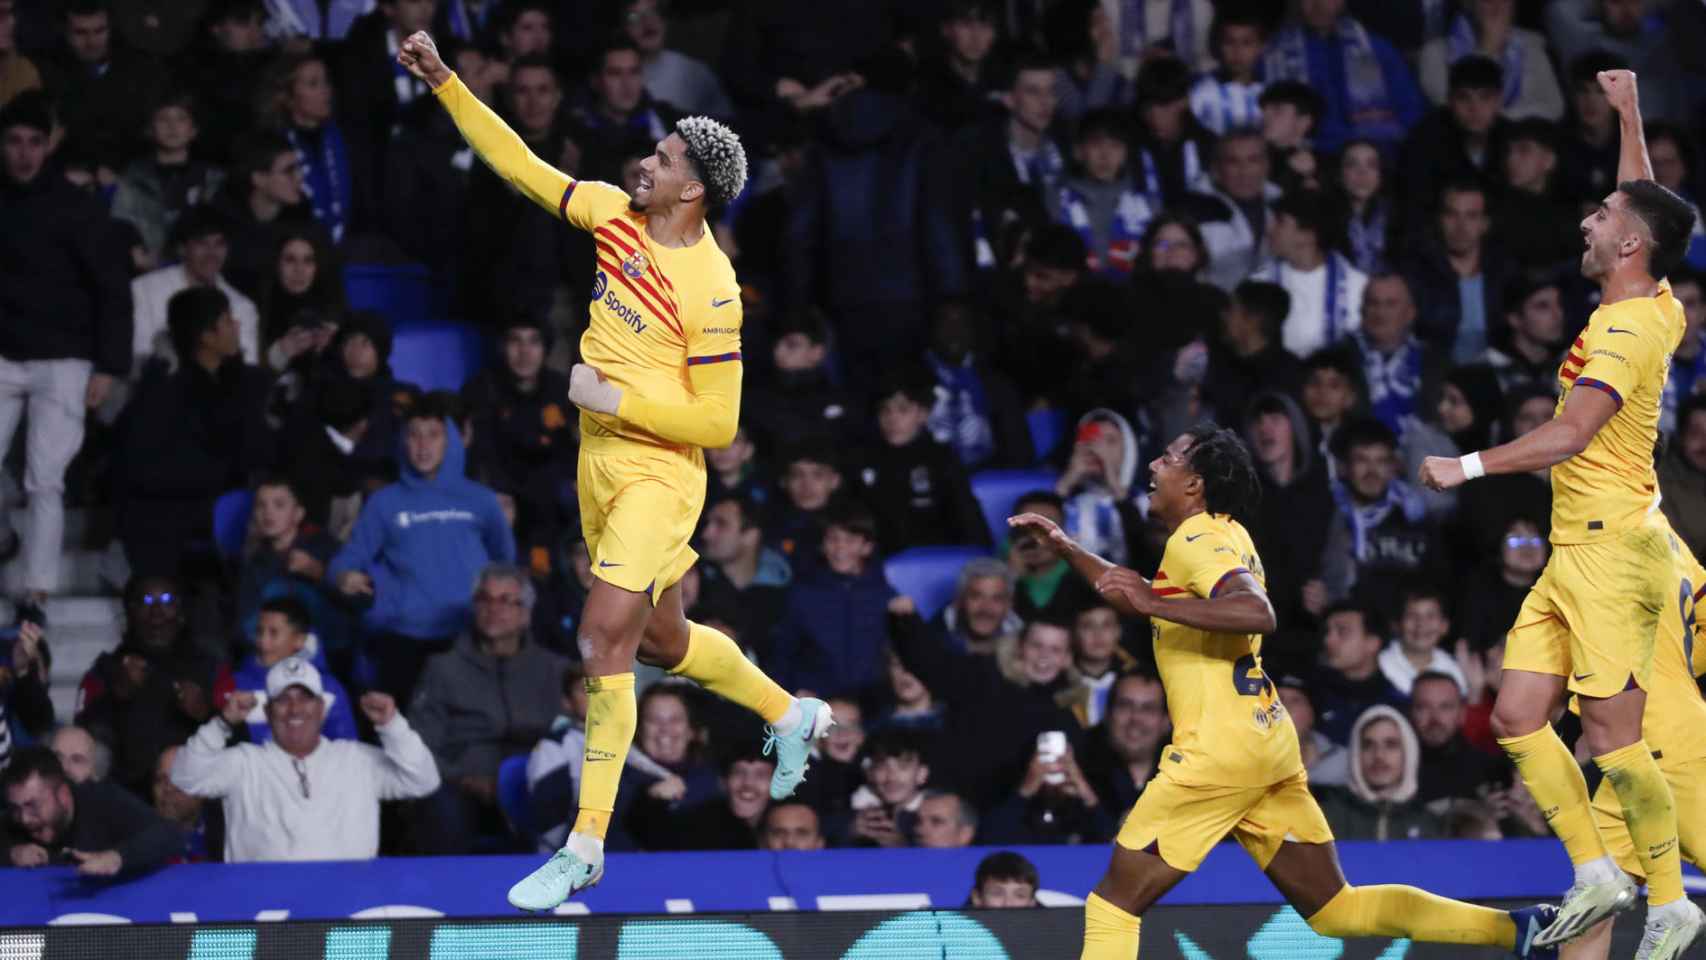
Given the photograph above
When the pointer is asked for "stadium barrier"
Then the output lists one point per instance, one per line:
(1169, 933)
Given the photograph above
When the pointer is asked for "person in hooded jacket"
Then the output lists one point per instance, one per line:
(1102, 509)
(416, 547)
(1379, 801)
(1290, 525)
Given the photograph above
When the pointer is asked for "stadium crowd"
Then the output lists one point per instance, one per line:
(982, 234)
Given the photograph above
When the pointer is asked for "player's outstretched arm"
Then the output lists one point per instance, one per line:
(499, 146)
(1055, 540)
(1547, 445)
(1632, 161)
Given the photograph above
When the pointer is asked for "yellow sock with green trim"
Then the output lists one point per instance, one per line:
(1650, 813)
(1392, 910)
(611, 716)
(1552, 776)
(1109, 932)
(716, 663)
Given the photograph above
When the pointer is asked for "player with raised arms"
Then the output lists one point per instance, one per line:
(660, 383)
(1234, 767)
(1590, 624)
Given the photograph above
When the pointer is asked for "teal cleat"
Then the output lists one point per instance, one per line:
(793, 750)
(555, 881)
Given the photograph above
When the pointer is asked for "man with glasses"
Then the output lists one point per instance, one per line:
(493, 695)
(153, 690)
(300, 796)
(95, 826)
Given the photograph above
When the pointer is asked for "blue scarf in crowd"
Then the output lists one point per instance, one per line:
(1364, 518)
(1222, 105)
(960, 417)
(1393, 382)
(325, 175)
(1132, 215)
(1366, 236)
(464, 23)
(1461, 42)
(304, 17)
(1152, 175)
(1369, 101)
(1181, 24)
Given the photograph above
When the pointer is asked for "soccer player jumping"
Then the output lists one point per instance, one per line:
(1234, 768)
(661, 382)
(1590, 624)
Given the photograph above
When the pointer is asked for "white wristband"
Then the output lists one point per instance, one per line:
(1472, 466)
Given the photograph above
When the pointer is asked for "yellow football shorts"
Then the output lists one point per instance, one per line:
(1687, 787)
(638, 512)
(1593, 616)
(1182, 822)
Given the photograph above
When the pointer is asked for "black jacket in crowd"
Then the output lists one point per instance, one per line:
(921, 496)
(64, 291)
(106, 817)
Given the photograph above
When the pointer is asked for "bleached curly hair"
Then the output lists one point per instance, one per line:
(716, 151)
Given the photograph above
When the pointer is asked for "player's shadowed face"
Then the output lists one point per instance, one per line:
(1173, 484)
(667, 178)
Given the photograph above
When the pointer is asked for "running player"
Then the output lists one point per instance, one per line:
(1234, 766)
(1589, 624)
(661, 383)
(1671, 725)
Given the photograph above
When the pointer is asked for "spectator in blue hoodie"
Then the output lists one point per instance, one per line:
(835, 627)
(416, 547)
(281, 631)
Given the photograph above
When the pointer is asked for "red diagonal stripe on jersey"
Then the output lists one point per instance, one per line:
(1168, 591)
(1578, 343)
(1573, 358)
(635, 234)
(1160, 575)
(1567, 374)
(658, 304)
(615, 270)
(613, 243)
(651, 268)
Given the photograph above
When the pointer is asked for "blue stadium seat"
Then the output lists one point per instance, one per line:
(437, 355)
(928, 574)
(1048, 428)
(402, 292)
(512, 795)
(231, 521)
(996, 490)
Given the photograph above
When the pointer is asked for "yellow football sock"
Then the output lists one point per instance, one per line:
(1390, 910)
(1550, 772)
(1650, 813)
(610, 721)
(718, 665)
(1109, 932)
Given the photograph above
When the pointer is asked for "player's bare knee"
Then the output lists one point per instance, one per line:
(663, 644)
(1514, 718)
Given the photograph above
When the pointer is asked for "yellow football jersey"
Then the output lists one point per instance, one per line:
(1676, 713)
(655, 310)
(1625, 351)
(1229, 727)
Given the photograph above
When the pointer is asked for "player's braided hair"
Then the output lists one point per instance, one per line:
(1219, 456)
(716, 152)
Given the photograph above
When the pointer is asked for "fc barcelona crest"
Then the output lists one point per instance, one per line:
(635, 265)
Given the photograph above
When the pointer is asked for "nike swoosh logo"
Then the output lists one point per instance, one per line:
(722, 303)
(607, 563)
(1195, 538)
(1581, 676)
(1619, 330)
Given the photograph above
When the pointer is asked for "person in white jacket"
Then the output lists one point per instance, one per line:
(298, 796)
(201, 240)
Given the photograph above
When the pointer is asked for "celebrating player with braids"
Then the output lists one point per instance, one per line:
(1234, 767)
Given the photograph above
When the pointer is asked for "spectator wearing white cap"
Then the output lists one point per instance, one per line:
(299, 796)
